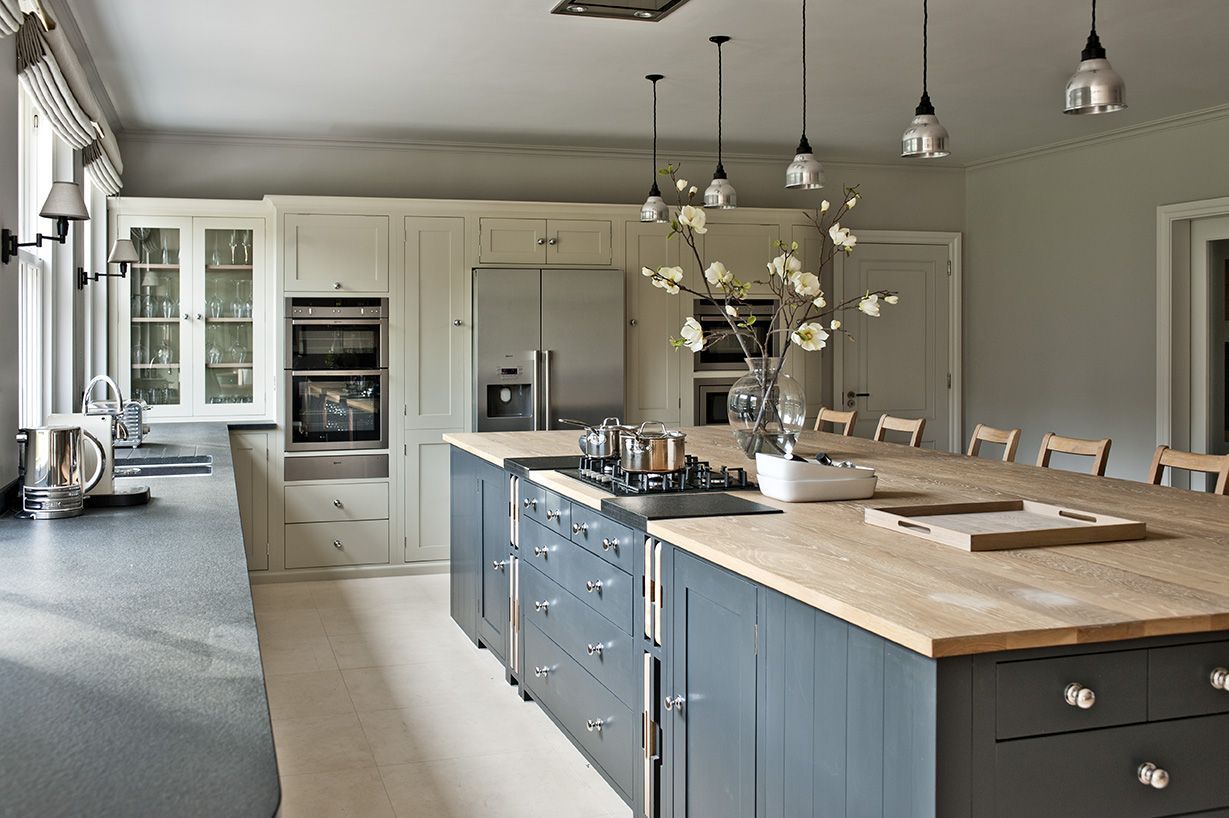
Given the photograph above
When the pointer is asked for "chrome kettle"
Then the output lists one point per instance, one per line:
(51, 485)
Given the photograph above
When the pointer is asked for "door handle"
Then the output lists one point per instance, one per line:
(852, 398)
(534, 391)
(546, 387)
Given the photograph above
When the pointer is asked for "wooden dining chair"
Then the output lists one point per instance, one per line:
(1099, 450)
(1008, 438)
(1217, 464)
(909, 426)
(837, 419)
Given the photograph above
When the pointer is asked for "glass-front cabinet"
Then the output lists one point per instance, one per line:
(196, 316)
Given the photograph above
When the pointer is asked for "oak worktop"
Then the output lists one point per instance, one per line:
(932, 598)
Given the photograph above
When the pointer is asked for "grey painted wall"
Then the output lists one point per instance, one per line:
(1059, 300)
(8, 273)
(895, 197)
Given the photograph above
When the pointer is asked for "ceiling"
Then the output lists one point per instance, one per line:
(509, 72)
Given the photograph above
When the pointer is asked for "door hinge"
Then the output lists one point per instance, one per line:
(949, 380)
(405, 449)
(757, 638)
(949, 267)
(405, 410)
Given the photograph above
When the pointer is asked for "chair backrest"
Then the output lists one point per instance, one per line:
(1009, 438)
(1099, 450)
(837, 419)
(1217, 464)
(909, 426)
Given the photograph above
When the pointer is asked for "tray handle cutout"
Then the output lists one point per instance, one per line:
(915, 526)
(1074, 515)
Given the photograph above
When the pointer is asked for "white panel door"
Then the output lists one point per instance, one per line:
(512, 241)
(577, 242)
(436, 334)
(426, 507)
(652, 317)
(336, 253)
(898, 363)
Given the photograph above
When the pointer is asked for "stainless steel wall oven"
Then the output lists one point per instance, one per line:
(727, 353)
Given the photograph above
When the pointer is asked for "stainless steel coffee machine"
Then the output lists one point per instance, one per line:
(52, 486)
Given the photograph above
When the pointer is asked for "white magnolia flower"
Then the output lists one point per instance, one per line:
(820, 302)
(731, 310)
(647, 272)
(870, 305)
(853, 200)
(835, 325)
(693, 217)
(810, 336)
(718, 275)
(823, 206)
(892, 299)
(785, 265)
(681, 184)
(692, 334)
(692, 191)
(667, 278)
(841, 237)
(807, 284)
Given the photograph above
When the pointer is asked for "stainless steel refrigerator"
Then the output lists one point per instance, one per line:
(548, 344)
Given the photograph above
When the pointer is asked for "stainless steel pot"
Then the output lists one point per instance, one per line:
(600, 441)
(652, 448)
(52, 486)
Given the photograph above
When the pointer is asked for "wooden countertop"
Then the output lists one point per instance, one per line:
(935, 599)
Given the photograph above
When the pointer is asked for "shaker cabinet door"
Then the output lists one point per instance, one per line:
(437, 329)
(496, 565)
(336, 253)
(577, 241)
(512, 241)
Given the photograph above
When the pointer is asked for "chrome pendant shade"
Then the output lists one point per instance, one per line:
(654, 209)
(1095, 87)
(925, 138)
(805, 172)
(720, 194)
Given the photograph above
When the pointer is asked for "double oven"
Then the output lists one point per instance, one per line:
(723, 361)
(336, 374)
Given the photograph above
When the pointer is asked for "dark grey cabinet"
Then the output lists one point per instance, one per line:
(496, 567)
(465, 541)
(710, 724)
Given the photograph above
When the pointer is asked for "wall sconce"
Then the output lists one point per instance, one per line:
(123, 253)
(64, 204)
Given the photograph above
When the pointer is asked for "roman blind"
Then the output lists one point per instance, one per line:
(10, 17)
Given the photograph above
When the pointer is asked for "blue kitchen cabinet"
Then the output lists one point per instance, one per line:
(465, 541)
(496, 563)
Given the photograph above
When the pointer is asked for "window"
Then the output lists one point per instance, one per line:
(34, 146)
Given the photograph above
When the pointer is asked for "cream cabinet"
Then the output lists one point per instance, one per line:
(544, 241)
(249, 453)
(437, 333)
(427, 523)
(653, 378)
(345, 253)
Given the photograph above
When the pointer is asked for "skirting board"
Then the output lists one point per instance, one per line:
(349, 572)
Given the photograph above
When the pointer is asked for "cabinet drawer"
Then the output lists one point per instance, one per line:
(315, 545)
(603, 536)
(576, 628)
(546, 507)
(575, 699)
(1095, 773)
(574, 568)
(337, 502)
(1030, 700)
(1180, 680)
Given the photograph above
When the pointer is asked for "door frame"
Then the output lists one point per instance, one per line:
(953, 241)
(1178, 416)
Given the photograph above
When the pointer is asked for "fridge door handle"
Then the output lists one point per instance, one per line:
(534, 391)
(546, 409)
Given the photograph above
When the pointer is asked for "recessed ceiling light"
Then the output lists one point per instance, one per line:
(578, 9)
(645, 15)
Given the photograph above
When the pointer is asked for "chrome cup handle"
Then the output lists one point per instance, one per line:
(102, 462)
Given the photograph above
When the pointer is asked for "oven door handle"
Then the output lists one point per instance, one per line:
(337, 373)
(332, 322)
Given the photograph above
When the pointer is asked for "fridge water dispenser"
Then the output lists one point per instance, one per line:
(509, 400)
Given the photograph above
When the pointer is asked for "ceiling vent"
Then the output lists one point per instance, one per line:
(649, 11)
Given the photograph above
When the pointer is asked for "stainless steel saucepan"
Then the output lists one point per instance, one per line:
(652, 448)
(600, 441)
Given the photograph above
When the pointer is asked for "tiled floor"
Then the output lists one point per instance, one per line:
(382, 707)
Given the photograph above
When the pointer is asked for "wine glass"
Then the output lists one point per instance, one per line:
(239, 351)
(139, 354)
(136, 305)
(234, 243)
(166, 249)
(246, 243)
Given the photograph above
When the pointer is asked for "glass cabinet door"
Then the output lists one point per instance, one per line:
(159, 301)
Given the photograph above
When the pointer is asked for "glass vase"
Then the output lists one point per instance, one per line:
(767, 408)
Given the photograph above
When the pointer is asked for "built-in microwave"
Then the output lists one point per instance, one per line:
(336, 373)
(727, 353)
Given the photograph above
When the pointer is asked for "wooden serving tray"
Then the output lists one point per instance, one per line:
(1000, 525)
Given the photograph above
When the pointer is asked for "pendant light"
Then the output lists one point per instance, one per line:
(925, 138)
(1094, 88)
(720, 193)
(805, 172)
(654, 209)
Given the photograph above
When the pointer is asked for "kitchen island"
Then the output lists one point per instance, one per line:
(812, 664)
(130, 675)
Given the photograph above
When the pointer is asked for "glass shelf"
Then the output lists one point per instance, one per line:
(155, 366)
(229, 268)
(228, 320)
(142, 320)
(229, 366)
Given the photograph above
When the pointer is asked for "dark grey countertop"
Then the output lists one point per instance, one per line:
(130, 675)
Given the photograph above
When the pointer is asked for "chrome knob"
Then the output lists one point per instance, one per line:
(593, 585)
(456, 322)
(593, 650)
(337, 543)
(187, 317)
(199, 316)
(608, 544)
(498, 565)
(633, 322)
(541, 606)
(553, 515)
(1152, 776)
(579, 527)
(674, 703)
(541, 672)
(1079, 696)
(337, 504)
(336, 285)
(530, 503)
(553, 242)
(540, 551)
(1220, 679)
(594, 725)
(540, 242)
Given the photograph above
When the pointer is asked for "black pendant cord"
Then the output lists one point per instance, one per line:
(653, 78)
(1093, 50)
(720, 41)
(803, 145)
(925, 107)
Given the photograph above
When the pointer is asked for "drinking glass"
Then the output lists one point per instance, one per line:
(239, 351)
(139, 354)
(136, 305)
(234, 243)
(246, 242)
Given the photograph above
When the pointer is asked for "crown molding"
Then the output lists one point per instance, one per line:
(1130, 132)
(510, 149)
